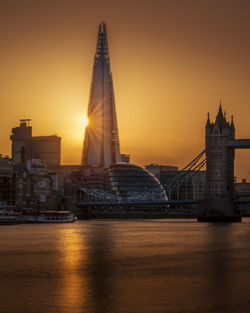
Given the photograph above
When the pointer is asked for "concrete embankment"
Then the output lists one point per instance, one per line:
(131, 216)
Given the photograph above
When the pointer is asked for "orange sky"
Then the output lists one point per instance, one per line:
(172, 61)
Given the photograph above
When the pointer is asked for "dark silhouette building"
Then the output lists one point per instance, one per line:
(7, 187)
(25, 147)
(220, 158)
(220, 152)
(21, 142)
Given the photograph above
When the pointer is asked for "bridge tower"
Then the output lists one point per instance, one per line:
(219, 205)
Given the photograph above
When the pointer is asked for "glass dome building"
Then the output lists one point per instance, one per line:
(132, 182)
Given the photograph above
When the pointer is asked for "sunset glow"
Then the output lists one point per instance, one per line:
(162, 95)
(85, 121)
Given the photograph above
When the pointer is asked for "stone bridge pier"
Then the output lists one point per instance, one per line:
(220, 151)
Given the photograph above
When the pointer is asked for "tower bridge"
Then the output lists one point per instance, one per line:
(221, 144)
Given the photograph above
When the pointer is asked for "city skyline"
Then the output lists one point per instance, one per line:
(168, 74)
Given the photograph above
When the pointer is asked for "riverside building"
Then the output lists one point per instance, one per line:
(25, 147)
(6, 180)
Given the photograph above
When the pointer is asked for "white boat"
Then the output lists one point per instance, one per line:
(9, 217)
(49, 217)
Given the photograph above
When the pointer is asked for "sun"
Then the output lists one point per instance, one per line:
(76, 133)
(85, 121)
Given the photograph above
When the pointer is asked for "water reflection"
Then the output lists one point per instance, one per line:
(125, 267)
(87, 268)
(222, 267)
(73, 288)
(101, 269)
(217, 265)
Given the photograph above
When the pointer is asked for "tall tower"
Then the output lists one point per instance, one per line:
(219, 203)
(220, 158)
(101, 143)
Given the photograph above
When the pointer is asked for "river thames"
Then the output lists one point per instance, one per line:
(128, 266)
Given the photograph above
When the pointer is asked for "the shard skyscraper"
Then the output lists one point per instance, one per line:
(101, 143)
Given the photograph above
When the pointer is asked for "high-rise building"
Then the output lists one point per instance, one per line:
(21, 142)
(25, 147)
(103, 166)
(48, 149)
(101, 143)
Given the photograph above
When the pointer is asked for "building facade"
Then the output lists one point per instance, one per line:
(48, 149)
(220, 158)
(132, 182)
(7, 187)
(220, 139)
(21, 142)
(162, 172)
(35, 186)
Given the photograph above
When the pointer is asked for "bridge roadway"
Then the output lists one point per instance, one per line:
(134, 203)
(143, 203)
(239, 143)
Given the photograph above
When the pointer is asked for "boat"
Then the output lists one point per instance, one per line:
(9, 216)
(48, 217)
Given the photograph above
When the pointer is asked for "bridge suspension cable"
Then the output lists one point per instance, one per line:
(185, 174)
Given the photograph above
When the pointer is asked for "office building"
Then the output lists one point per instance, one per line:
(162, 172)
(48, 149)
(132, 182)
(101, 143)
(25, 146)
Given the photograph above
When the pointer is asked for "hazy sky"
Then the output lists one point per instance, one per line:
(172, 61)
